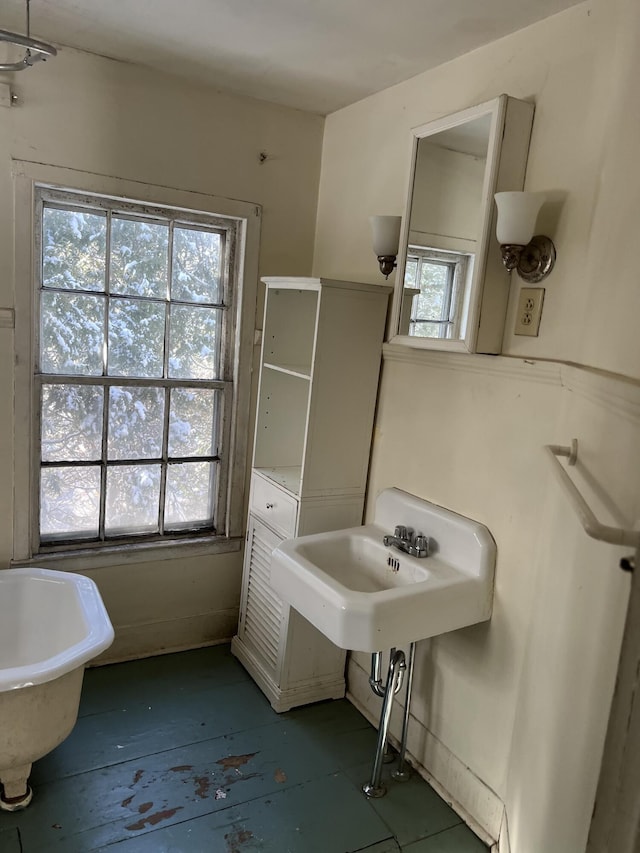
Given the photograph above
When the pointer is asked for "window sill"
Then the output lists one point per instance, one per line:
(138, 552)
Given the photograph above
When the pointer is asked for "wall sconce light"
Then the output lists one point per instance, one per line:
(386, 241)
(531, 256)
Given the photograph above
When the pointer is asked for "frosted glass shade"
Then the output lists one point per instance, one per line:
(517, 214)
(386, 234)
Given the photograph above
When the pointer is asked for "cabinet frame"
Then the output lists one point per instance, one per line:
(320, 363)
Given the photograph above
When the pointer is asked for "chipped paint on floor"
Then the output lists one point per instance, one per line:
(236, 839)
(207, 765)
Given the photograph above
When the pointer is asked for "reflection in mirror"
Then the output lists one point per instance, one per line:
(444, 229)
(448, 251)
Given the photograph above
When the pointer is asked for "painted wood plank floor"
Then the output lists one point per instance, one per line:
(183, 753)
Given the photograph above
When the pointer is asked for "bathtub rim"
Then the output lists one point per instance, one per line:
(99, 632)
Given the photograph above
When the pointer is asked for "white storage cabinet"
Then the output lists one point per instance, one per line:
(321, 350)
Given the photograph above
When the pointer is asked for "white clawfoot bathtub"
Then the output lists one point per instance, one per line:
(51, 624)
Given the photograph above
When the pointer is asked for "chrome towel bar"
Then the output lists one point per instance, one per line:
(602, 532)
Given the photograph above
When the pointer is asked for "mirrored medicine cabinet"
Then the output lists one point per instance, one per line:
(452, 290)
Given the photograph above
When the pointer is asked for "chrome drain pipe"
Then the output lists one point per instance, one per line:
(375, 682)
(402, 772)
(397, 667)
(375, 679)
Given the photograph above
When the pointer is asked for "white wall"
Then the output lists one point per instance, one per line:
(118, 120)
(513, 713)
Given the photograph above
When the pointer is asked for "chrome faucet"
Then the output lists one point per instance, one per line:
(404, 539)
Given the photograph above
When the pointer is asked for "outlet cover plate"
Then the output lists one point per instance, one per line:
(529, 311)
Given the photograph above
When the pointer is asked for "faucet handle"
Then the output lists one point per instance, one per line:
(401, 532)
(421, 545)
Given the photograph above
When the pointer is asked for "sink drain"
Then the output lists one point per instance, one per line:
(393, 564)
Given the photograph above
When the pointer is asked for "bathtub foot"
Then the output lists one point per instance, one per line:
(15, 792)
(14, 804)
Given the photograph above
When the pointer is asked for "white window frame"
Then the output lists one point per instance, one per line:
(460, 264)
(241, 322)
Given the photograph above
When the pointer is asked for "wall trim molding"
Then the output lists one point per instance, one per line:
(618, 394)
(615, 393)
(478, 806)
(546, 372)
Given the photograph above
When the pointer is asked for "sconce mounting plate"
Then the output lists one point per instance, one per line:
(536, 260)
(387, 264)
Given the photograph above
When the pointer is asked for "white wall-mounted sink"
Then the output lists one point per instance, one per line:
(368, 597)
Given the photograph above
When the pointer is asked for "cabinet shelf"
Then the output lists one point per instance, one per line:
(300, 371)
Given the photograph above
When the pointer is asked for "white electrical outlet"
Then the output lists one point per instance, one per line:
(529, 311)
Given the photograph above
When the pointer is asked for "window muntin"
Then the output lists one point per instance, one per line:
(133, 369)
(440, 278)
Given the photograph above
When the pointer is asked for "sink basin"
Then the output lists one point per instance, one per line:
(367, 597)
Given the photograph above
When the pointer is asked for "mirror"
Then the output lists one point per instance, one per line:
(451, 287)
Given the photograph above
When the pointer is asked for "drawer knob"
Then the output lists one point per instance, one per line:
(269, 506)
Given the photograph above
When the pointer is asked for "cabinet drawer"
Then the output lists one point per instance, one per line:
(273, 506)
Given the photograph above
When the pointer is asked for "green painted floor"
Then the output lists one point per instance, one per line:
(183, 753)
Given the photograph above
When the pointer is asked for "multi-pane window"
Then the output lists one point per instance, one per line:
(440, 277)
(132, 369)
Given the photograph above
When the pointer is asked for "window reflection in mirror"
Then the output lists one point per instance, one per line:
(438, 284)
(445, 228)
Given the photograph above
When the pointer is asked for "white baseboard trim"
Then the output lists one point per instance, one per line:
(478, 806)
(189, 647)
(174, 635)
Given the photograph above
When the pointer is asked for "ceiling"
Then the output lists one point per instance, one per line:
(315, 55)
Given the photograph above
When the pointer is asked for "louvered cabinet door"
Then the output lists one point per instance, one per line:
(262, 614)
